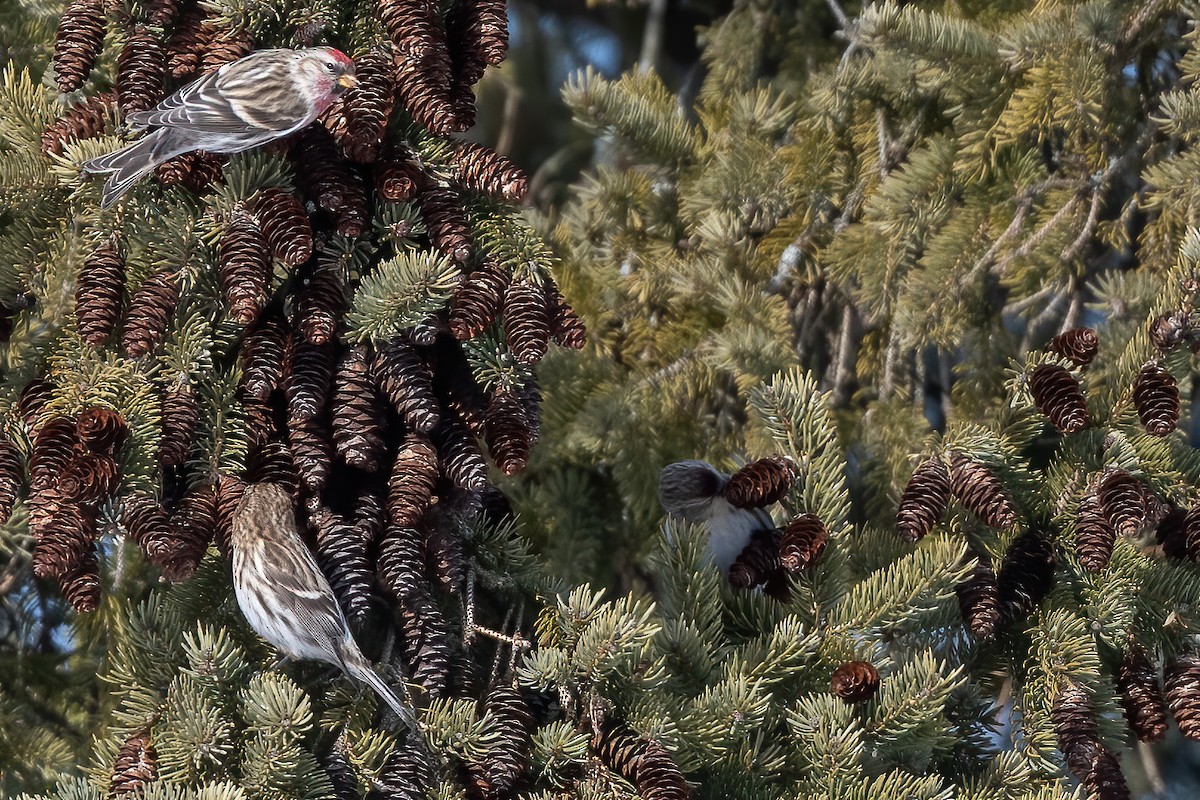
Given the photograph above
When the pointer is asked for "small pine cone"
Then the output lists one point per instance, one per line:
(370, 511)
(1141, 697)
(141, 71)
(484, 25)
(427, 644)
(260, 421)
(34, 397)
(81, 584)
(1078, 345)
(342, 554)
(136, 766)
(924, 501)
(326, 178)
(195, 171)
(102, 430)
(442, 210)
(307, 385)
(284, 223)
(855, 681)
(312, 452)
(98, 292)
(526, 322)
(462, 100)
(368, 106)
(358, 413)
(760, 483)
(189, 41)
(162, 13)
(180, 413)
(229, 495)
(1094, 536)
(566, 328)
(1156, 397)
(1181, 679)
(10, 477)
(225, 47)
(85, 120)
(981, 492)
(1172, 532)
(979, 601)
(88, 479)
(758, 562)
(1122, 502)
(272, 463)
(400, 564)
(149, 315)
(264, 353)
(405, 773)
(407, 382)
(147, 523)
(78, 43)
(462, 462)
(424, 70)
(341, 773)
(446, 556)
(803, 543)
(1058, 395)
(396, 180)
(411, 482)
(483, 170)
(477, 302)
(192, 524)
(643, 762)
(63, 540)
(245, 263)
(507, 756)
(1104, 779)
(507, 432)
(1073, 718)
(322, 298)
(1026, 575)
(53, 446)
(1169, 330)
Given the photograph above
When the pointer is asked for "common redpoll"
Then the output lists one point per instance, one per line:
(285, 596)
(265, 96)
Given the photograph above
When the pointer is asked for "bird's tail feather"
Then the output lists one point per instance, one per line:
(357, 667)
(127, 166)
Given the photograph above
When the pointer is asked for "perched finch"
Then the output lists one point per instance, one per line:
(265, 96)
(285, 596)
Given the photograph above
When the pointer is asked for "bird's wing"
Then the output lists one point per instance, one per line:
(315, 606)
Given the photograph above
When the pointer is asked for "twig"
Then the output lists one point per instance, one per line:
(508, 119)
(1150, 767)
(842, 360)
(1072, 250)
(652, 35)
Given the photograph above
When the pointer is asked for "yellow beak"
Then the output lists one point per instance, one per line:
(347, 81)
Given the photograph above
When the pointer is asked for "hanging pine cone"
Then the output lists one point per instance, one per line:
(264, 353)
(400, 565)
(482, 25)
(147, 523)
(526, 322)
(1058, 395)
(342, 554)
(924, 501)
(424, 71)
(10, 477)
(855, 681)
(368, 106)
(311, 445)
(180, 412)
(272, 463)
(285, 225)
(428, 644)
(53, 446)
(507, 432)
(445, 555)
(396, 179)
(88, 479)
(1026, 575)
(63, 537)
(261, 420)
(1168, 331)
(477, 302)
(102, 430)
(225, 47)
(758, 562)
(245, 263)
(1181, 680)
(191, 529)
(1156, 397)
(195, 171)
(189, 40)
(507, 757)
(566, 328)
(341, 774)
(320, 304)
(141, 71)
(34, 397)
(485, 171)
(1078, 345)
(149, 315)
(1104, 779)
(407, 382)
(1122, 502)
(326, 178)
(803, 543)
(307, 385)
(370, 510)
(1094, 536)
(979, 600)
(136, 766)
(161, 13)
(84, 120)
(405, 774)
(78, 43)
(981, 492)
(1073, 718)
(229, 495)
(760, 483)
(643, 762)
(459, 453)
(442, 210)
(357, 413)
(98, 291)
(1137, 684)
(413, 477)
(81, 584)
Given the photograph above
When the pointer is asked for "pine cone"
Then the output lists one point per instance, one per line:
(147, 523)
(229, 495)
(803, 543)
(459, 453)
(10, 477)
(445, 555)
(326, 178)
(34, 397)
(760, 483)
(1104, 779)
(400, 565)
(507, 432)
(342, 553)
(396, 180)
(1137, 684)
(1094, 536)
(981, 492)
(482, 25)
(1074, 719)
(357, 413)
(63, 538)
(1026, 575)
(161, 13)
(1122, 502)
(85, 120)
(245, 262)
(442, 210)
(1059, 396)
(78, 43)
(311, 445)
(1078, 345)
(477, 302)
(320, 304)
(88, 479)
(526, 322)
(98, 291)
(924, 501)
(1156, 397)
(192, 524)
(81, 584)
(264, 354)
(412, 480)
(507, 756)
(141, 71)
(427, 644)
(643, 762)
(190, 39)
(485, 171)
(225, 47)
(180, 413)
(1181, 679)
(368, 106)
(261, 421)
(407, 382)
(272, 463)
(979, 601)
(405, 773)
(149, 315)
(566, 328)
(758, 562)
(285, 225)
(307, 385)
(53, 446)
(195, 171)
(1169, 330)
(102, 430)
(855, 681)
(136, 766)
(424, 71)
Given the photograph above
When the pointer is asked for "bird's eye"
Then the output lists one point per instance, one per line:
(330, 66)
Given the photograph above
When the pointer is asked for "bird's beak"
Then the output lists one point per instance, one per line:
(347, 81)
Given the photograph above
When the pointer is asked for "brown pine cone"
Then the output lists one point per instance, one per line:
(149, 315)
(507, 756)
(162, 13)
(81, 584)
(180, 413)
(195, 171)
(400, 565)
(34, 397)
(855, 681)
(189, 41)
(442, 210)
(424, 71)
(1026, 575)
(566, 328)
(284, 223)
(273, 463)
(507, 432)
(526, 322)
(63, 537)
(981, 492)
(1058, 395)
(1156, 397)
(311, 445)
(445, 554)
(321, 300)
(147, 523)
(1137, 685)
(1169, 330)
(53, 446)
(643, 762)
(264, 353)
(102, 430)
(245, 263)
(1094, 536)
(342, 554)
(404, 776)
(1073, 718)
(136, 766)
(368, 106)
(462, 462)
(88, 479)
(98, 292)
(396, 180)
(326, 179)
(407, 382)
(485, 171)
(358, 413)
(1181, 679)
(1078, 345)
(979, 601)
(307, 385)
(225, 47)
(78, 43)
(1104, 779)
(1122, 502)
(758, 562)
(10, 476)
(428, 644)
(141, 71)
(192, 525)
(924, 501)
(261, 420)
(761, 483)
(803, 542)
(411, 482)
(229, 495)
(482, 25)
(85, 120)
(477, 302)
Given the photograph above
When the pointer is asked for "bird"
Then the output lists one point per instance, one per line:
(265, 96)
(287, 599)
